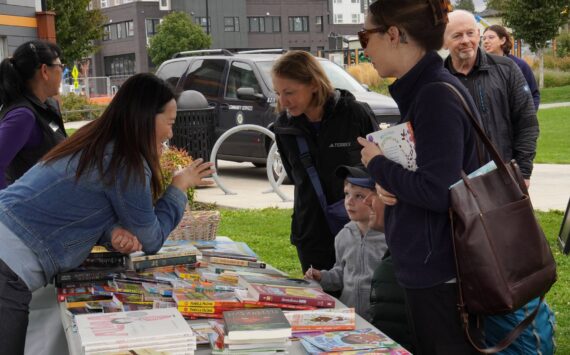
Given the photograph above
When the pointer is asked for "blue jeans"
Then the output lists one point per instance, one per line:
(15, 299)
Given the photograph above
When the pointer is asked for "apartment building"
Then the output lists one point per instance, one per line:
(233, 24)
(21, 21)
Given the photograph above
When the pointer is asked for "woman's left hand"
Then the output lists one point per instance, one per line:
(123, 241)
(193, 175)
(369, 150)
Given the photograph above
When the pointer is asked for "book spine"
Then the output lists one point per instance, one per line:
(88, 275)
(262, 304)
(237, 262)
(198, 315)
(147, 264)
(297, 300)
(109, 261)
(164, 256)
(228, 255)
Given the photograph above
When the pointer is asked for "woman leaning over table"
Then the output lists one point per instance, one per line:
(496, 40)
(107, 174)
(30, 122)
(330, 121)
(401, 38)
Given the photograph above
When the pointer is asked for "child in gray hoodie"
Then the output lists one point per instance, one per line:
(359, 249)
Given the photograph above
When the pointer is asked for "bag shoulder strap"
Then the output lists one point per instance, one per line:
(307, 161)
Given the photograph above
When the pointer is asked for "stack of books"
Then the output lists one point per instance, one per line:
(100, 266)
(251, 331)
(321, 320)
(359, 341)
(178, 252)
(157, 329)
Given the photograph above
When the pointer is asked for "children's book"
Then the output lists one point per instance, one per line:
(246, 280)
(490, 166)
(170, 249)
(258, 323)
(131, 327)
(398, 144)
(295, 295)
(313, 350)
(330, 319)
(360, 339)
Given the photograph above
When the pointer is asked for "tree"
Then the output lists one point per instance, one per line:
(76, 28)
(176, 33)
(465, 5)
(536, 22)
(498, 5)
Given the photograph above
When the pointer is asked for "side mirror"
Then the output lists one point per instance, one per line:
(249, 94)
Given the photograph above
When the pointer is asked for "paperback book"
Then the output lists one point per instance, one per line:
(330, 319)
(360, 339)
(397, 144)
(258, 323)
(295, 295)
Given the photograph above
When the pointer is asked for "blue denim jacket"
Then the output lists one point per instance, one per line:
(61, 219)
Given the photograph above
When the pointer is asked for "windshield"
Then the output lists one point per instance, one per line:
(339, 77)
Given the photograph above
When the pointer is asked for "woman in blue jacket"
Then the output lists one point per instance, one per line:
(401, 38)
(106, 175)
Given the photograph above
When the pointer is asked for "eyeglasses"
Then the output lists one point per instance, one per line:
(364, 35)
(61, 66)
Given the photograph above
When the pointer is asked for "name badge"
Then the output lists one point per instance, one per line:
(54, 127)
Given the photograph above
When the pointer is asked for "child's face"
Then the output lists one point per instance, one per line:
(354, 197)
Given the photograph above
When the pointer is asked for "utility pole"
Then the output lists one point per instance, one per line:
(207, 18)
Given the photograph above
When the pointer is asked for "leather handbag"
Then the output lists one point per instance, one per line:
(502, 256)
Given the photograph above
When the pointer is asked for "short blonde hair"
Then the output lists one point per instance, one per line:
(302, 67)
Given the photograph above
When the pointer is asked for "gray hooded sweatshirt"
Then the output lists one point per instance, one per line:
(356, 259)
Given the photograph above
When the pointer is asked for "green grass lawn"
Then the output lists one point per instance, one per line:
(555, 94)
(553, 144)
(267, 232)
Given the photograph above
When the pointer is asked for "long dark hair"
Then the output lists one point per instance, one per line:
(129, 123)
(502, 33)
(423, 20)
(17, 71)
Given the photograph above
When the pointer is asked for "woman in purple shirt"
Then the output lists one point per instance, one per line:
(30, 122)
(496, 40)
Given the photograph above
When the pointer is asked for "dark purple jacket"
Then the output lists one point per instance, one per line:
(418, 230)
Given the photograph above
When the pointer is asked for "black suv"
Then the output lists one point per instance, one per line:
(240, 88)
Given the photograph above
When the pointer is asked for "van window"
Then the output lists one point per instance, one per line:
(171, 71)
(241, 76)
(205, 76)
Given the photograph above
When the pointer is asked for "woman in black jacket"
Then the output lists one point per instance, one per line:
(401, 38)
(329, 121)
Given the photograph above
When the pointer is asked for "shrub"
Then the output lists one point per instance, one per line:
(555, 78)
(563, 45)
(367, 75)
(171, 160)
(559, 63)
(77, 108)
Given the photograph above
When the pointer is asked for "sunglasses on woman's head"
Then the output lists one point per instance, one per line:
(364, 35)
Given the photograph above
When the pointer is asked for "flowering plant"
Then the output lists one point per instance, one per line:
(171, 160)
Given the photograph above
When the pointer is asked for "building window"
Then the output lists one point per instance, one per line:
(338, 18)
(151, 25)
(319, 23)
(120, 64)
(130, 28)
(231, 24)
(203, 22)
(276, 23)
(164, 5)
(356, 1)
(355, 18)
(256, 24)
(338, 1)
(104, 4)
(298, 24)
(106, 32)
(121, 33)
(3, 48)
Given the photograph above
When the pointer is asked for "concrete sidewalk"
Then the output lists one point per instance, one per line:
(549, 188)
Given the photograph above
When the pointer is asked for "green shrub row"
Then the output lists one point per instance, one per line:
(78, 108)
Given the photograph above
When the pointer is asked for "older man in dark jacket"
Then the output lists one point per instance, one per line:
(499, 89)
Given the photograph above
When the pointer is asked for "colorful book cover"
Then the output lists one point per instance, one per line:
(170, 249)
(330, 319)
(258, 323)
(246, 280)
(281, 294)
(398, 144)
(490, 166)
(359, 339)
(109, 328)
(226, 248)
